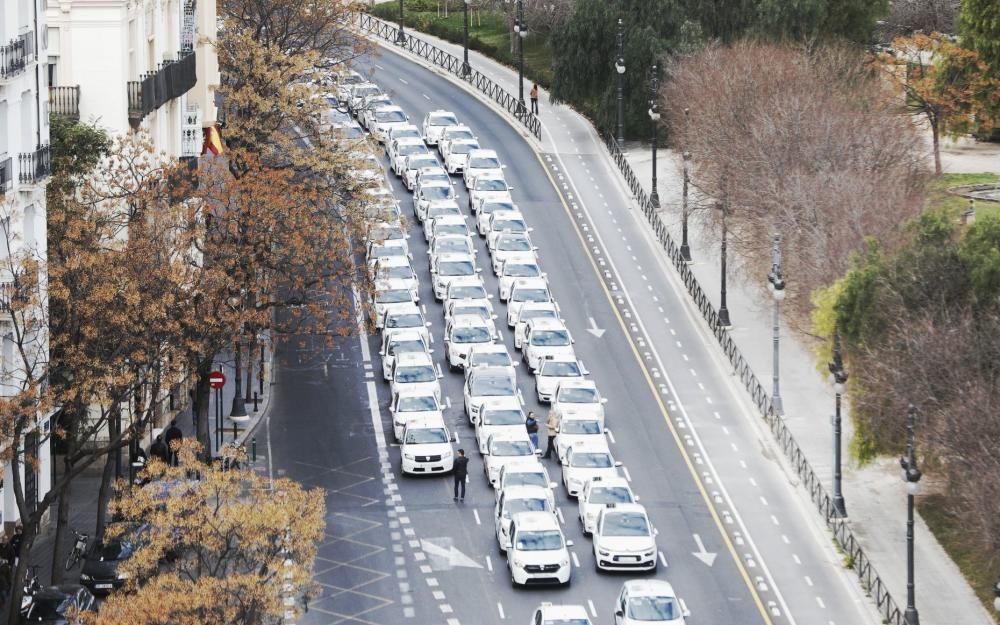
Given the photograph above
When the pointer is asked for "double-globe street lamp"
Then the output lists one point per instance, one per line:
(776, 284)
(911, 475)
(839, 376)
(620, 71)
(466, 68)
(521, 31)
(654, 116)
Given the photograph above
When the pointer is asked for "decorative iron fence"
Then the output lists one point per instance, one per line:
(171, 79)
(855, 554)
(16, 55)
(452, 64)
(34, 166)
(65, 101)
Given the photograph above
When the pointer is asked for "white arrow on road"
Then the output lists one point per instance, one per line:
(593, 329)
(449, 554)
(705, 556)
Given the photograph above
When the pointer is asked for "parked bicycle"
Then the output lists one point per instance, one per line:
(79, 549)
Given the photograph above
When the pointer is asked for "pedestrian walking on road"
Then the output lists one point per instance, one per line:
(460, 471)
(159, 449)
(172, 434)
(534, 99)
(532, 426)
(552, 425)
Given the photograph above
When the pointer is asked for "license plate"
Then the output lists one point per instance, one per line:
(628, 558)
(103, 586)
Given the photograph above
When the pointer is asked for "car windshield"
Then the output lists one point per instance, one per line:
(350, 131)
(395, 296)
(418, 161)
(493, 386)
(451, 229)
(471, 334)
(625, 524)
(491, 359)
(510, 225)
(610, 494)
(462, 148)
(433, 176)
(550, 338)
(526, 478)
(479, 311)
(524, 505)
(399, 272)
(511, 448)
(578, 396)
(387, 250)
(591, 460)
(48, 608)
(459, 133)
(411, 148)
(579, 427)
(530, 295)
(114, 550)
(473, 291)
(442, 119)
(366, 90)
(560, 369)
(503, 417)
(484, 162)
(451, 245)
(406, 347)
(456, 268)
(401, 133)
(489, 207)
(422, 403)
(407, 320)
(439, 193)
(514, 244)
(425, 436)
(521, 270)
(415, 373)
(390, 116)
(490, 184)
(546, 540)
(387, 233)
(352, 79)
(653, 609)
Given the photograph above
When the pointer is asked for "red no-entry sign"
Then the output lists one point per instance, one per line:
(217, 379)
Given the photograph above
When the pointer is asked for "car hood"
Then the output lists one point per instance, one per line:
(633, 544)
(98, 569)
(583, 474)
(427, 449)
(560, 352)
(475, 173)
(549, 556)
(497, 462)
(546, 384)
(486, 431)
(429, 387)
(595, 411)
(568, 440)
(406, 417)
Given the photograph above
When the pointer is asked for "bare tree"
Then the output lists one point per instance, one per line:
(909, 16)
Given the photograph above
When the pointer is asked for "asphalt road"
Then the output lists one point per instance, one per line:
(677, 422)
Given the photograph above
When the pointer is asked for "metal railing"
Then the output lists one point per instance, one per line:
(6, 296)
(451, 63)
(855, 556)
(170, 80)
(6, 175)
(65, 101)
(191, 132)
(16, 55)
(34, 166)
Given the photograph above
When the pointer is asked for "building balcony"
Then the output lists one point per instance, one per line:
(15, 55)
(171, 80)
(6, 175)
(65, 102)
(191, 133)
(6, 296)
(33, 167)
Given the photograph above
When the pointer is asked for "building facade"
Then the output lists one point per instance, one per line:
(25, 167)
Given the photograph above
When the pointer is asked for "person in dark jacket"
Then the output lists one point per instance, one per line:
(159, 449)
(15, 543)
(460, 472)
(532, 426)
(172, 434)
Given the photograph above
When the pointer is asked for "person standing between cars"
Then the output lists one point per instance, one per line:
(532, 426)
(534, 99)
(460, 471)
(172, 434)
(552, 424)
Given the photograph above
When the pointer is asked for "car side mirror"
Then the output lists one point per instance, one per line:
(392, 409)
(538, 452)
(516, 363)
(509, 188)
(454, 437)
(553, 485)
(619, 614)
(440, 376)
(503, 167)
(479, 270)
(604, 400)
(605, 430)
(490, 296)
(428, 324)
(636, 498)
(530, 229)
(618, 463)
(430, 351)
(569, 543)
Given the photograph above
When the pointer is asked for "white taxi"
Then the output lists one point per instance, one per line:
(517, 267)
(514, 500)
(649, 602)
(414, 372)
(461, 333)
(489, 187)
(493, 355)
(426, 447)
(508, 245)
(385, 118)
(526, 290)
(447, 267)
(546, 339)
(391, 295)
(505, 221)
(413, 406)
(456, 153)
(552, 371)
(447, 224)
(450, 244)
(407, 318)
(538, 551)
(528, 311)
(550, 614)
(598, 493)
(579, 397)
(502, 416)
(526, 472)
(572, 428)
(396, 342)
(435, 123)
(504, 448)
(430, 192)
(412, 166)
(440, 209)
(454, 133)
(485, 383)
(624, 539)
(485, 208)
(586, 460)
(481, 163)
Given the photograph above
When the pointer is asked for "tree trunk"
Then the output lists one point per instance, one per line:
(251, 349)
(104, 496)
(62, 521)
(935, 134)
(17, 590)
(202, 393)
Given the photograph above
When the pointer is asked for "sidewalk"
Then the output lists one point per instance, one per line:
(875, 495)
(83, 498)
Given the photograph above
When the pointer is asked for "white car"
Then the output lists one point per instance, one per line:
(528, 311)
(624, 539)
(344, 84)
(381, 205)
(489, 187)
(501, 449)
(386, 231)
(472, 308)
(481, 163)
(359, 92)
(502, 416)
(447, 267)
(414, 372)
(443, 212)
(484, 210)
(450, 244)
(537, 552)
(413, 406)
(366, 112)
(400, 149)
(428, 193)
(549, 614)
(426, 447)
(396, 342)
(505, 221)
(526, 290)
(386, 249)
(391, 295)
(579, 397)
(586, 460)
(514, 500)
(367, 170)
(435, 123)
(385, 118)
(573, 428)
(429, 174)
(470, 294)
(409, 318)
(546, 339)
(413, 164)
(461, 333)
(527, 472)
(456, 153)
(598, 493)
(404, 131)
(454, 133)
(396, 268)
(514, 268)
(551, 372)
(511, 245)
(449, 224)
(494, 355)
(485, 384)
(649, 602)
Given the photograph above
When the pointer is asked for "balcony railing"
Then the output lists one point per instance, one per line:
(171, 80)
(65, 102)
(16, 55)
(133, 91)
(6, 175)
(191, 132)
(6, 296)
(33, 167)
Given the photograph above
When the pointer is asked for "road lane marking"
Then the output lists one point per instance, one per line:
(500, 610)
(808, 580)
(611, 436)
(425, 96)
(796, 558)
(378, 66)
(475, 513)
(819, 601)
(628, 476)
(762, 500)
(576, 561)
(489, 564)
(593, 610)
(559, 514)
(403, 81)
(663, 560)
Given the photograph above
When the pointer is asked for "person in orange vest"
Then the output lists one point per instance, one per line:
(534, 99)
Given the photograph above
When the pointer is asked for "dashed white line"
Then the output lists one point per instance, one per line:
(725, 430)
(733, 445)
(785, 539)
(774, 520)
(762, 500)
(663, 560)
(426, 97)
(819, 602)
(576, 561)
(447, 401)
(593, 610)
(808, 580)
(475, 513)
(611, 437)
(378, 66)
(500, 610)
(753, 481)
(628, 476)
(489, 564)
(559, 514)
(403, 81)
(796, 558)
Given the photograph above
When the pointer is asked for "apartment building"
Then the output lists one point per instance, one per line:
(130, 64)
(24, 171)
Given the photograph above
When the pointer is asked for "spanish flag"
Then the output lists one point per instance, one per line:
(212, 141)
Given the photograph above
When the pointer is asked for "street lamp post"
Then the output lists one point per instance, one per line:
(654, 115)
(776, 284)
(620, 70)
(521, 30)
(239, 406)
(466, 68)
(400, 36)
(839, 380)
(685, 247)
(723, 308)
(911, 475)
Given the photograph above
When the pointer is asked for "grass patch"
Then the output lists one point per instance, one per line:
(953, 205)
(981, 567)
(488, 33)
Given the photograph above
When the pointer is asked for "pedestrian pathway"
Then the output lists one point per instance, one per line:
(875, 496)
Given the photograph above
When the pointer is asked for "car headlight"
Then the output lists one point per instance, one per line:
(85, 578)
(446, 454)
(604, 552)
(564, 562)
(517, 563)
(122, 575)
(649, 554)
(408, 456)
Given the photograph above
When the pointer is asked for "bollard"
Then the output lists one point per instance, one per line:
(255, 401)
(253, 448)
